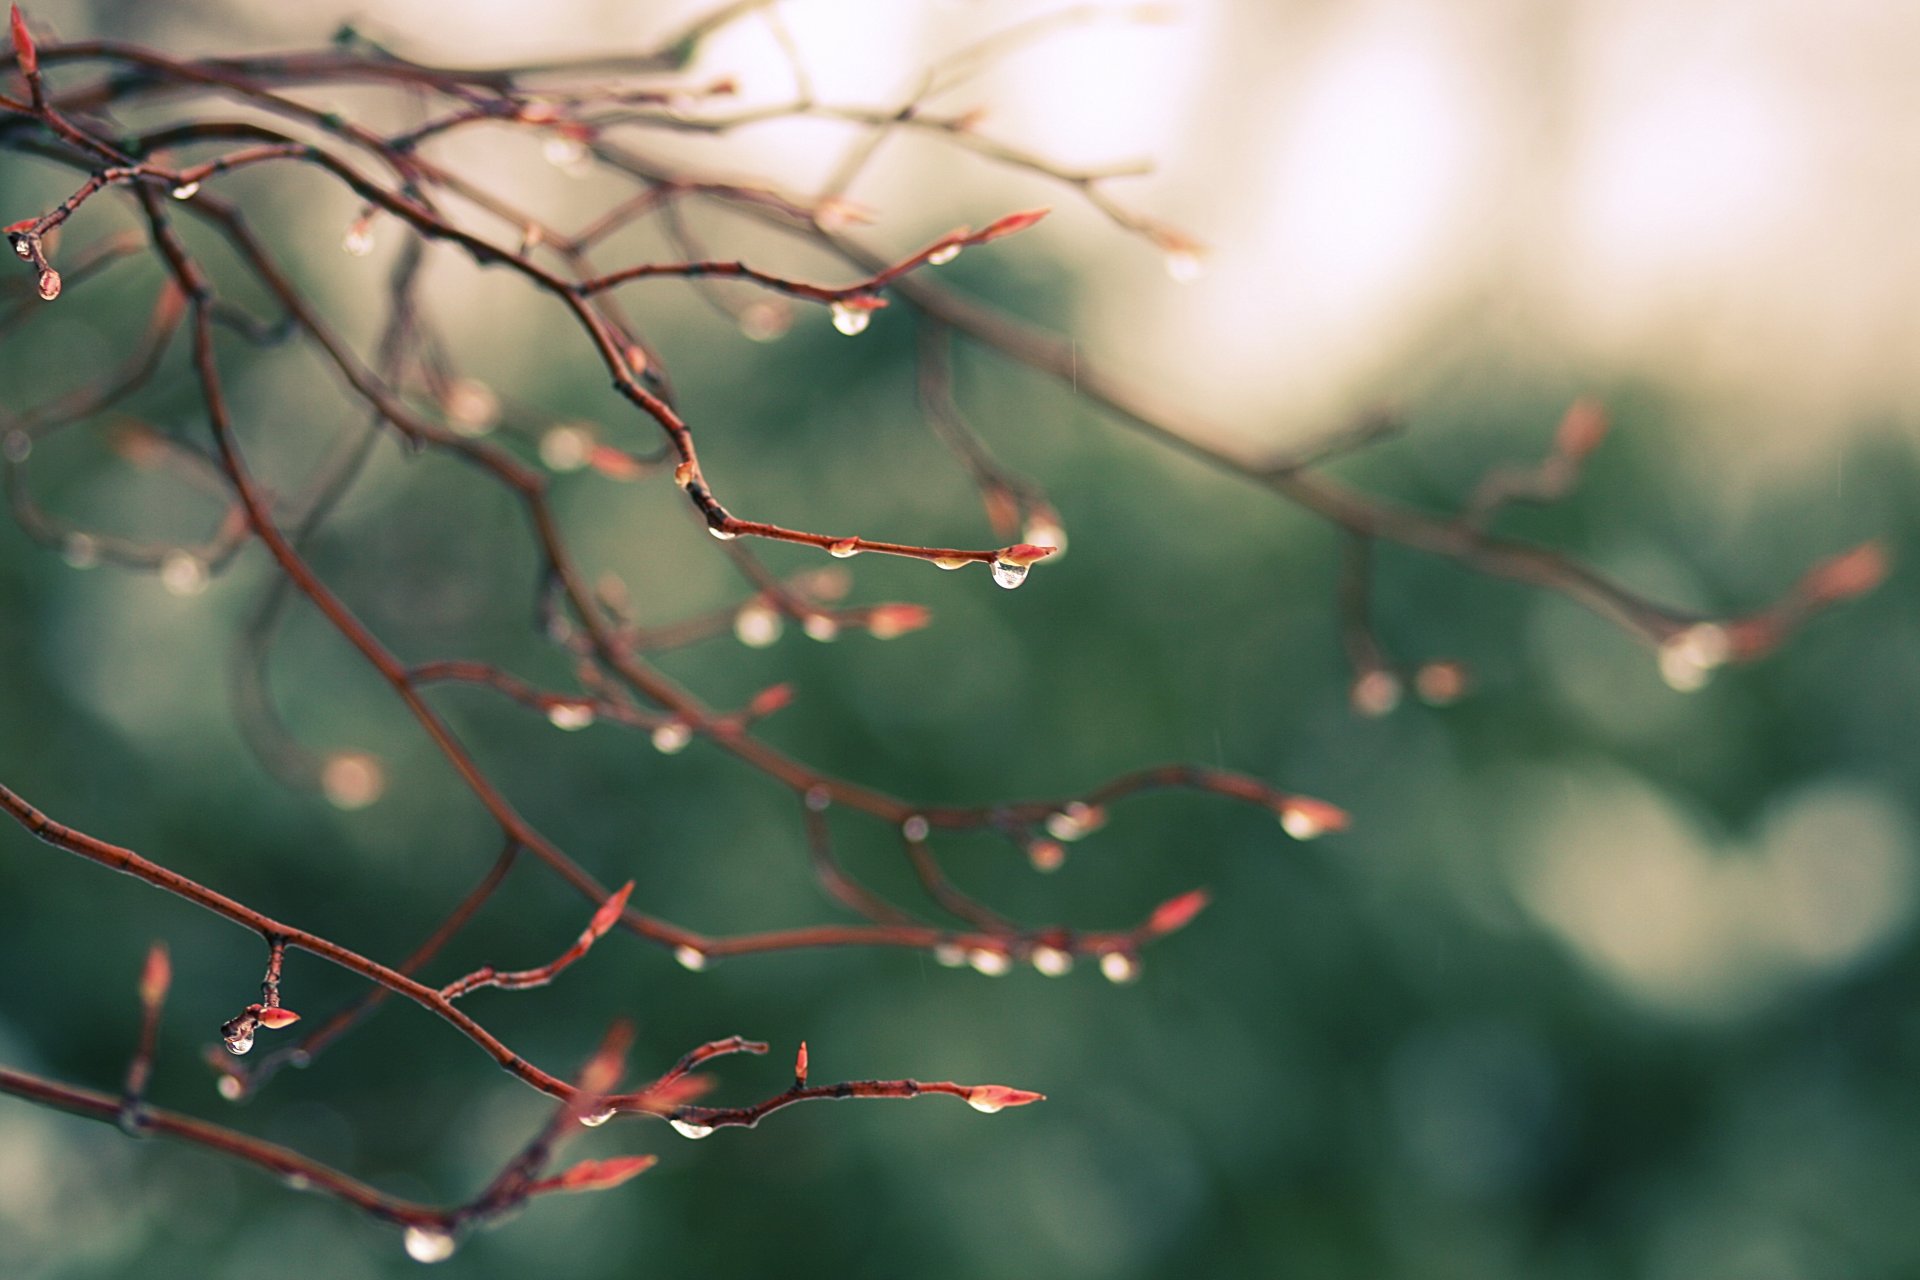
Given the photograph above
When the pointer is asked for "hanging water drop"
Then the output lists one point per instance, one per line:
(429, 1244)
(766, 321)
(230, 1087)
(688, 1129)
(570, 715)
(984, 1102)
(1689, 658)
(183, 574)
(186, 191)
(692, 959)
(240, 1042)
(672, 737)
(819, 626)
(951, 562)
(988, 961)
(1008, 574)
(358, 242)
(1184, 266)
(915, 828)
(567, 447)
(757, 626)
(818, 798)
(943, 255)
(352, 780)
(1120, 967)
(950, 955)
(1052, 961)
(721, 535)
(844, 549)
(82, 551)
(594, 1119)
(851, 320)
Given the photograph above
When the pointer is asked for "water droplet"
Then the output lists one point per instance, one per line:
(49, 285)
(471, 407)
(1690, 658)
(1075, 821)
(183, 574)
(818, 798)
(570, 715)
(1120, 967)
(1046, 855)
(844, 549)
(1184, 266)
(17, 446)
(186, 191)
(915, 828)
(950, 954)
(1008, 574)
(1052, 961)
(358, 242)
(1375, 694)
(298, 1182)
(81, 551)
(352, 780)
(230, 1087)
(943, 255)
(594, 1119)
(819, 626)
(240, 1042)
(683, 474)
(988, 961)
(951, 562)
(983, 1102)
(850, 320)
(766, 321)
(429, 1244)
(563, 152)
(23, 247)
(721, 535)
(692, 959)
(566, 447)
(672, 737)
(757, 626)
(688, 1129)
(1301, 823)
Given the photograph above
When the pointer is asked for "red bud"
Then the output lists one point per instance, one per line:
(23, 45)
(886, 621)
(156, 976)
(600, 1175)
(275, 1018)
(800, 1063)
(609, 913)
(1177, 913)
(769, 700)
(995, 1097)
(1012, 223)
(1849, 574)
(1582, 429)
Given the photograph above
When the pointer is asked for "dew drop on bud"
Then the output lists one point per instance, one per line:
(230, 1087)
(183, 574)
(23, 247)
(819, 626)
(988, 961)
(692, 959)
(688, 1129)
(915, 828)
(1008, 574)
(757, 626)
(672, 737)
(850, 320)
(1052, 961)
(1075, 821)
(951, 562)
(1120, 967)
(352, 780)
(567, 447)
(49, 285)
(683, 474)
(1689, 658)
(1300, 823)
(594, 1119)
(984, 1102)
(943, 255)
(429, 1244)
(186, 191)
(1183, 265)
(570, 715)
(950, 955)
(844, 549)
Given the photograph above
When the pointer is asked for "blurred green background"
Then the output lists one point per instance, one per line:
(1605, 980)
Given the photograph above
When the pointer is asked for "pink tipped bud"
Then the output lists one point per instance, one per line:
(1582, 428)
(609, 913)
(1011, 224)
(602, 1072)
(989, 1098)
(23, 45)
(1849, 574)
(1023, 553)
(1177, 913)
(600, 1175)
(800, 1064)
(769, 700)
(275, 1018)
(885, 621)
(156, 976)
(613, 464)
